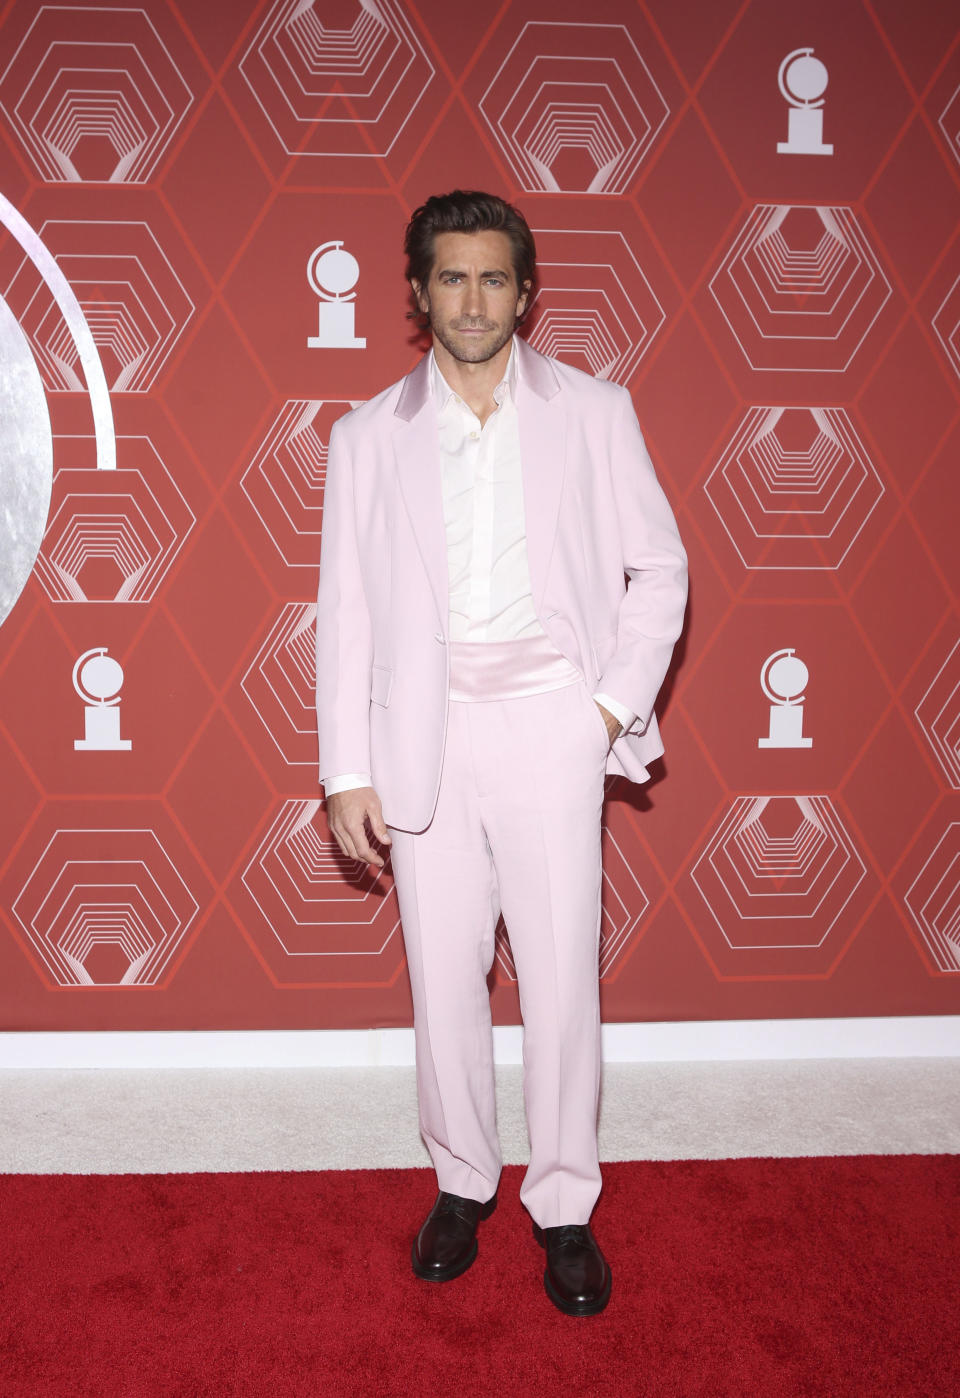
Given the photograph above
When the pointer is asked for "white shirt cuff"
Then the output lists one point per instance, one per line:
(624, 716)
(348, 781)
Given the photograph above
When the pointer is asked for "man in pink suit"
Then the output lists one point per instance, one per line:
(501, 588)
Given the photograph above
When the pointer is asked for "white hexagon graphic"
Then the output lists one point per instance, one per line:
(281, 684)
(624, 906)
(938, 714)
(284, 482)
(337, 91)
(800, 288)
(594, 307)
(112, 536)
(316, 905)
(574, 107)
(105, 907)
(794, 488)
(949, 124)
(933, 900)
(946, 325)
(776, 875)
(133, 301)
(88, 107)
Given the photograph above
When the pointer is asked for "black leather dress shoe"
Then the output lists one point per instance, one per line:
(447, 1243)
(577, 1278)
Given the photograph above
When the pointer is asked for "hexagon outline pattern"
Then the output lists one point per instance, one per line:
(946, 326)
(612, 339)
(933, 900)
(761, 276)
(818, 842)
(945, 121)
(284, 672)
(100, 919)
(290, 466)
(293, 819)
(382, 28)
(543, 128)
(139, 327)
(140, 131)
(938, 714)
(767, 504)
(112, 521)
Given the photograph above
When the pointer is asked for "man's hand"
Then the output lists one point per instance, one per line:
(349, 813)
(613, 724)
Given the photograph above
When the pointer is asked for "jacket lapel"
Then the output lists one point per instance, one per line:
(417, 450)
(542, 458)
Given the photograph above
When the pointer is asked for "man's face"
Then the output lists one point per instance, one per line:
(472, 297)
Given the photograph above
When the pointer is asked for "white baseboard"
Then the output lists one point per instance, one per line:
(919, 1036)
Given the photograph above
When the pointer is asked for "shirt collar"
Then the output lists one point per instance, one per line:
(505, 389)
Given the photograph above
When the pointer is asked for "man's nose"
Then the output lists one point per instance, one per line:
(473, 298)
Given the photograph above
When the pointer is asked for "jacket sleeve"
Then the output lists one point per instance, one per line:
(651, 613)
(344, 651)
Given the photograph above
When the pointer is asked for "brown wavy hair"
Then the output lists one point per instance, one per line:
(467, 211)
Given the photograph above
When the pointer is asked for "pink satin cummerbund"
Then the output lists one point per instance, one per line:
(508, 669)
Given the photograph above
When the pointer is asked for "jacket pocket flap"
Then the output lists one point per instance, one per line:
(381, 683)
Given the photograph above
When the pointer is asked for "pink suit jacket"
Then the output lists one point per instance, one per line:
(594, 512)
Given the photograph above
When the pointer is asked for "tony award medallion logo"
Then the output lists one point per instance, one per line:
(783, 678)
(803, 81)
(98, 679)
(333, 273)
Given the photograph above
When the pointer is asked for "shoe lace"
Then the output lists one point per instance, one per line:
(567, 1233)
(453, 1204)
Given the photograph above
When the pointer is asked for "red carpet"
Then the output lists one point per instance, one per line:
(744, 1277)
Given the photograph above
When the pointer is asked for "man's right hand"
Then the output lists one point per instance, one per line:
(350, 814)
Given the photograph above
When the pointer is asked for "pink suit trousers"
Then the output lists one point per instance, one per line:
(516, 829)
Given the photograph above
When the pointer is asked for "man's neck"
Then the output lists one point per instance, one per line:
(474, 383)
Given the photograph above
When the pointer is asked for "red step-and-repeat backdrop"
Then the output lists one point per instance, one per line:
(746, 211)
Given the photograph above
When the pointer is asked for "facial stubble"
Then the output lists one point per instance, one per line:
(463, 350)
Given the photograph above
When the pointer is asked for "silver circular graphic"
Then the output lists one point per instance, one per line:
(806, 78)
(788, 676)
(332, 271)
(26, 460)
(101, 678)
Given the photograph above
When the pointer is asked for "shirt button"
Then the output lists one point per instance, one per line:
(474, 436)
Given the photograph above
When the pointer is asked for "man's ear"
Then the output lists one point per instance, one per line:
(523, 298)
(420, 295)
